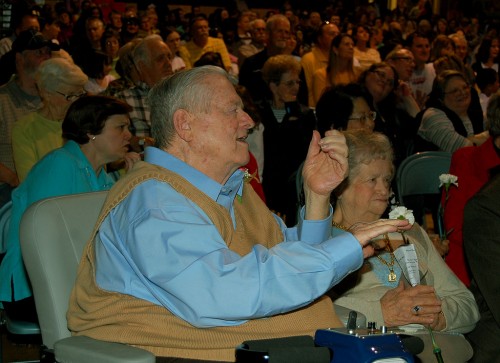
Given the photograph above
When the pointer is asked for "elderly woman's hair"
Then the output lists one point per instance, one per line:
(88, 115)
(493, 115)
(109, 33)
(278, 65)
(335, 106)
(55, 72)
(364, 147)
(188, 90)
(441, 81)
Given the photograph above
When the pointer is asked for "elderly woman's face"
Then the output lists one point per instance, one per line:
(288, 87)
(367, 195)
(380, 82)
(457, 95)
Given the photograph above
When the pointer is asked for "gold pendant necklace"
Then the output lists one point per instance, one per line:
(391, 277)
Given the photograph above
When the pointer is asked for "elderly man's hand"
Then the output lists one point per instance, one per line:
(324, 169)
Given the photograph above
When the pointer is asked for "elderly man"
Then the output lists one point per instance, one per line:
(278, 33)
(258, 42)
(25, 22)
(18, 98)
(152, 60)
(187, 261)
(202, 43)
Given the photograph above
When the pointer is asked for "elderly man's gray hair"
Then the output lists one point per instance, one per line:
(188, 90)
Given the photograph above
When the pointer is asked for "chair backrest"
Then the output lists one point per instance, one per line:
(419, 173)
(53, 233)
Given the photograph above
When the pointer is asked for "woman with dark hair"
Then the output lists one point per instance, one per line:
(344, 107)
(488, 54)
(380, 82)
(96, 132)
(362, 51)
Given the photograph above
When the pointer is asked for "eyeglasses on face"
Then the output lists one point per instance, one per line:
(459, 91)
(384, 77)
(367, 116)
(72, 96)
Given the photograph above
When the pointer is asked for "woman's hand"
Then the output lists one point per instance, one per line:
(324, 169)
(398, 307)
(130, 159)
(8, 176)
(479, 139)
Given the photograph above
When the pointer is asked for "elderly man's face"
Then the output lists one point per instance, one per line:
(404, 63)
(160, 64)
(95, 30)
(219, 136)
(280, 34)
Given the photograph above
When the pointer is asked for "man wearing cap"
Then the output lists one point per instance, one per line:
(19, 97)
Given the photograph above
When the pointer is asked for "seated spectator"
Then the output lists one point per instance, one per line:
(96, 130)
(481, 243)
(365, 55)
(18, 98)
(181, 55)
(344, 107)
(379, 289)
(341, 68)
(126, 69)
(488, 54)
(151, 60)
(472, 166)
(446, 124)
(59, 83)
(423, 75)
(97, 66)
(441, 46)
(286, 122)
(257, 43)
(487, 82)
(111, 42)
(201, 43)
(130, 28)
(201, 223)
(28, 21)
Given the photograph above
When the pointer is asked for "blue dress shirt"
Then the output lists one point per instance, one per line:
(63, 171)
(159, 246)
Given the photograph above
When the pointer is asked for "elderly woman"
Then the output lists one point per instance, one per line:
(378, 289)
(59, 83)
(344, 107)
(288, 128)
(446, 123)
(97, 132)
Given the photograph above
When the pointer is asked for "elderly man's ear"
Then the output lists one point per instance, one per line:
(182, 123)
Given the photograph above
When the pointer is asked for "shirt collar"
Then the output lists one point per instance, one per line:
(218, 192)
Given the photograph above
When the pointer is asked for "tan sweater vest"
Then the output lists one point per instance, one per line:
(116, 317)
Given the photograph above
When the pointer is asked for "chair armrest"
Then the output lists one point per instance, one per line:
(83, 349)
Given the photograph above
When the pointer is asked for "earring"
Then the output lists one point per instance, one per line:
(93, 138)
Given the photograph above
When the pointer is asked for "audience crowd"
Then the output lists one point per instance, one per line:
(423, 80)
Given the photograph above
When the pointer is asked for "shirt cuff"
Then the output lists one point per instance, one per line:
(314, 231)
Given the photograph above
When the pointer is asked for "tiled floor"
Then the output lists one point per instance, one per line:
(17, 352)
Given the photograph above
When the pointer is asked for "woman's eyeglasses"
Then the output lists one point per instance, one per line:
(384, 78)
(367, 116)
(459, 91)
(72, 96)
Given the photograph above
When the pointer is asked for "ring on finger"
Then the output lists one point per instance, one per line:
(416, 309)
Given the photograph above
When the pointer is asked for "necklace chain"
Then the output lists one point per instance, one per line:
(339, 226)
